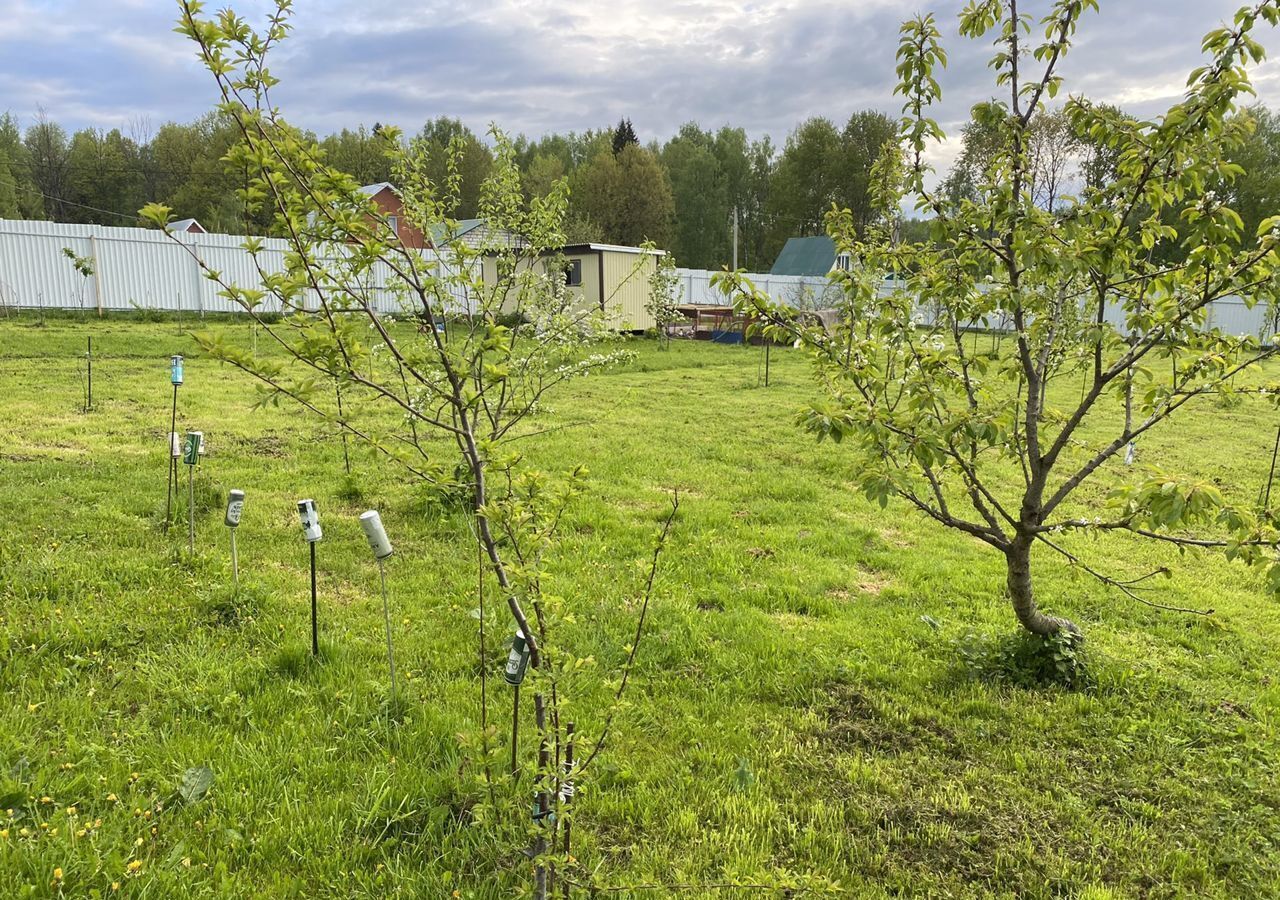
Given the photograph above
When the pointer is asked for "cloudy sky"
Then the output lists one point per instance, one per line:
(534, 66)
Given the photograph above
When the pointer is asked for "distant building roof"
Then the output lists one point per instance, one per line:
(806, 256)
(442, 234)
(612, 248)
(190, 225)
(371, 190)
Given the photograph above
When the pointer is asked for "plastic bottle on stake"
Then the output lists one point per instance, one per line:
(380, 544)
(191, 456)
(311, 532)
(235, 508)
(310, 521)
(517, 659)
(371, 522)
(191, 449)
(175, 370)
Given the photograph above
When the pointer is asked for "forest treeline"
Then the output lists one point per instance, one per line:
(681, 193)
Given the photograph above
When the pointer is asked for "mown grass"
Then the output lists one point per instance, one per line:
(793, 712)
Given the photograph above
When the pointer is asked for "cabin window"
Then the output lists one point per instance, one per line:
(844, 262)
(573, 273)
(393, 222)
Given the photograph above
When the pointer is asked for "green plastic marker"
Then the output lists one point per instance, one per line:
(191, 447)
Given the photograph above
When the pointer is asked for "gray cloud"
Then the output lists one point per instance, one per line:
(533, 66)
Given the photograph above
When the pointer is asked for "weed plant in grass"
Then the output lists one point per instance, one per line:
(801, 707)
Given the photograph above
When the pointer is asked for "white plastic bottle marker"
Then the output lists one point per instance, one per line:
(175, 445)
(235, 507)
(310, 521)
(371, 522)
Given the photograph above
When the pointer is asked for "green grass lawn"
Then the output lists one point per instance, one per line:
(792, 713)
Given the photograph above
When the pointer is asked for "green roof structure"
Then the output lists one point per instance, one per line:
(806, 256)
(441, 236)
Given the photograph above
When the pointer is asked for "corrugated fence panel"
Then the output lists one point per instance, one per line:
(1230, 314)
(142, 268)
(147, 269)
(696, 288)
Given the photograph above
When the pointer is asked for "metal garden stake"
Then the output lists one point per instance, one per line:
(191, 456)
(88, 391)
(312, 533)
(1275, 452)
(235, 507)
(371, 522)
(175, 378)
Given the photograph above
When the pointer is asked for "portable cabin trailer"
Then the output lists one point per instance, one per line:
(608, 276)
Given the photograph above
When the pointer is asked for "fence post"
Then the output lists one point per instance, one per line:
(97, 271)
(195, 271)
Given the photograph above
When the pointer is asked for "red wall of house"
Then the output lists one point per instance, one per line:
(390, 205)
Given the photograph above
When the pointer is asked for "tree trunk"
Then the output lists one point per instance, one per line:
(1018, 560)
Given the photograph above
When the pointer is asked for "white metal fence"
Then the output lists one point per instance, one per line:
(803, 290)
(1230, 314)
(137, 268)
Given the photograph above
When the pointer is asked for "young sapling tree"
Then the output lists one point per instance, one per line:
(665, 294)
(447, 401)
(84, 268)
(1101, 285)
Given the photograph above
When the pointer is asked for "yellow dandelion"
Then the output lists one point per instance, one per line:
(112, 798)
(134, 867)
(57, 874)
(115, 885)
(4, 834)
